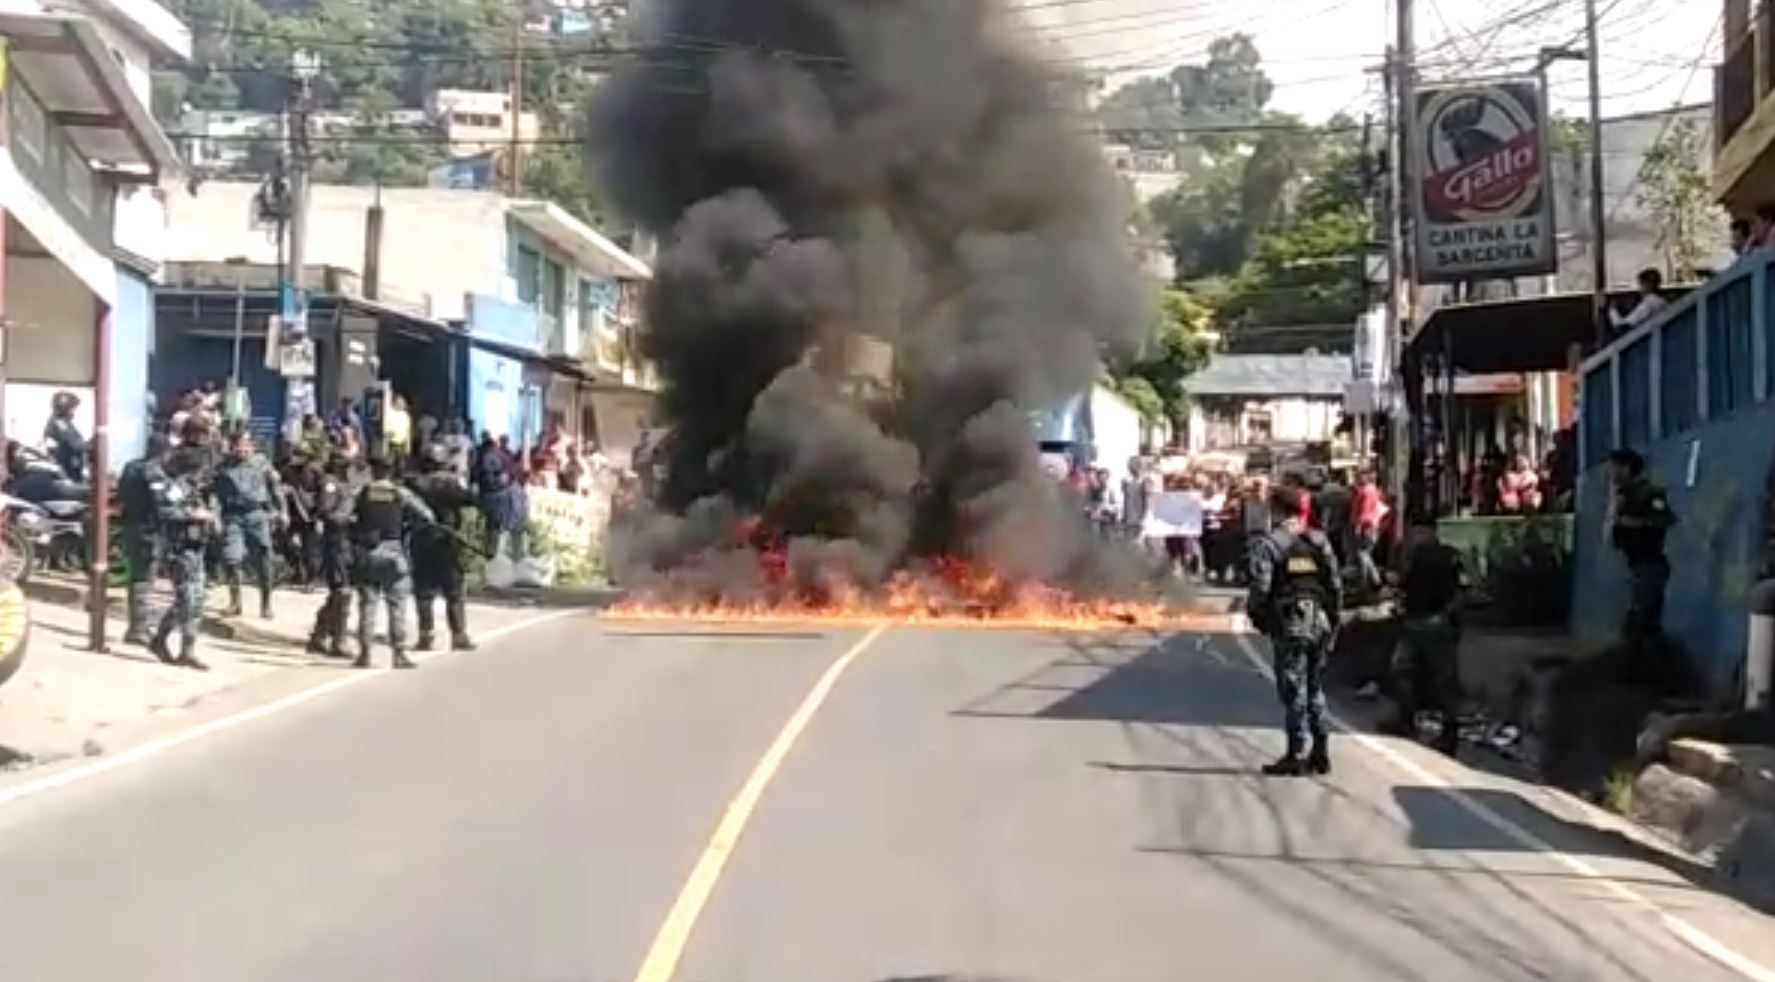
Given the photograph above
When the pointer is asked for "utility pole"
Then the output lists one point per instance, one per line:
(514, 156)
(292, 298)
(1401, 306)
(1599, 256)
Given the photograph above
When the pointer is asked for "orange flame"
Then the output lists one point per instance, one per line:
(946, 591)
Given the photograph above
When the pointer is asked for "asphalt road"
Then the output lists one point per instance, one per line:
(1017, 806)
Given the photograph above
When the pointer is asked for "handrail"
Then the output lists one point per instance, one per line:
(1743, 264)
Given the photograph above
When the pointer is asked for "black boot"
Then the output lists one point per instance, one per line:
(188, 658)
(428, 626)
(234, 608)
(1319, 761)
(265, 613)
(363, 658)
(1290, 764)
(402, 661)
(461, 642)
(157, 645)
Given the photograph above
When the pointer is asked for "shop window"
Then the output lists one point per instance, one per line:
(527, 271)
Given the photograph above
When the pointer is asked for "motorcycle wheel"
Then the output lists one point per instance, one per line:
(18, 556)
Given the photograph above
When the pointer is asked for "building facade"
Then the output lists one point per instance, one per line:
(1253, 400)
(80, 187)
(548, 308)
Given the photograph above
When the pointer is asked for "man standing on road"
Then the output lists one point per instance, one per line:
(186, 526)
(383, 514)
(437, 550)
(1639, 520)
(1426, 663)
(138, 490)
(334, 499)
(246, 490)
(1296, 599)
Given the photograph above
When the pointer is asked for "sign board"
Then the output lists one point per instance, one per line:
(296, 358)
(1485, 208)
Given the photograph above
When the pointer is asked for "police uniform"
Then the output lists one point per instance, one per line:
(246, 491)
(185, 533)
(1642, 518)
(382, 513)
(334, 500)
(437, 552)
(138, 491)
(1296, 598)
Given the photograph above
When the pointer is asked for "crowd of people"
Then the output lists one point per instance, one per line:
(1203, 521)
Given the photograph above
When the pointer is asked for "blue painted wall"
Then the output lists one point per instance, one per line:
(1691, 392)
(498, 400)
(1716, 549)
(132, 343)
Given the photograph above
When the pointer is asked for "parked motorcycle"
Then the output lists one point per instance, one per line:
(46, 514)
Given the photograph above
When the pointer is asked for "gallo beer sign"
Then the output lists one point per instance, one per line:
(1485, 210)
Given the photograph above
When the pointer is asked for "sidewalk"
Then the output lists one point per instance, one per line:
(67, 701)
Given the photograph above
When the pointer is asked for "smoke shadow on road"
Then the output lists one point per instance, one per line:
(1178, 679)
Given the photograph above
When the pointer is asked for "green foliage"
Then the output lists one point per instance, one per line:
(1155, 383)
(377, 56)
(1268, 225)
(1673, 188)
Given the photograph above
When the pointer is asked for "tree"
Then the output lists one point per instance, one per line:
(1178, 347)
(1674, 190)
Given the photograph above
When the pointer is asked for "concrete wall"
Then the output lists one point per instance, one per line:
(1715, 550)
(438, 246)
(51, 318)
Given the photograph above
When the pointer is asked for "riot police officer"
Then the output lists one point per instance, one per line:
(382, 515)
(1640, 519)
(138, 489)
(437, 549)
(186, 525)
(334, 498)
(1296, 599)
(246, 489)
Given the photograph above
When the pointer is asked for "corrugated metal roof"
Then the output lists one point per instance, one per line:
(1272, 375)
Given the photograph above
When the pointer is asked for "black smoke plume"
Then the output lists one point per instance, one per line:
(825, 171)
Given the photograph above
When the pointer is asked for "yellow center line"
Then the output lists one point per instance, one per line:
(674, 934)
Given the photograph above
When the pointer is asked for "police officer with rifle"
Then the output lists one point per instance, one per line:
(437, 549)
(383, 514)
(187, 526)
(1296, 599)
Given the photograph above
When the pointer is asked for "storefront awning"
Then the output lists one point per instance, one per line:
(26, 205)
(1526, 334)
(72, 73)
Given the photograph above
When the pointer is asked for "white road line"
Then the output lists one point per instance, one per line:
(1688, 933)
(141, 752)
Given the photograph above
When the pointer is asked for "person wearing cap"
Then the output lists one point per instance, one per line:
(1640, 519)
(384, 512)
